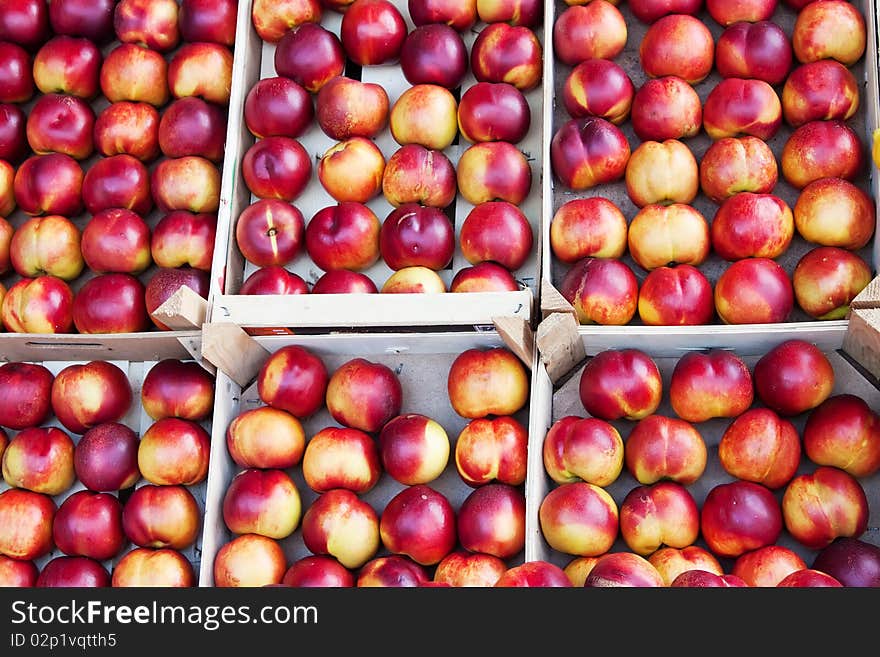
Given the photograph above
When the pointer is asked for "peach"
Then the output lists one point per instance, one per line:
(821, 506)
(665, 448)
(413, 449)
(579, 518)
(490, 111)
(469, 569)
(668, 234)
(833, 31)
(27, 518)
(16, 573)
(704, 578)
(826, 279)
(249, 560)
(728, 12)
(835, 212)
(507, 53)
(494, 171)
(317, 571)
(495, 449)
(341, 458)
(372, 32)
(666, 107)
(496, 231)
(661, 172)
(47, 245)
(821, 90)
(492, 520)
(135, 74)
(749, 225)
(174, 451)
(578, 568)
(144, 567)
(680, 45)
(737, 164)
(483, 382)
(345, 107)
(760, 50)
(620, 384)
(178, 388)
(793, 377)
(598, 87)
(202, 69)
(821, 149)
(49, 184)
(343, 236)
(352, 170)
(484, 277)
(90, 393)
(130, 128)
(768, 565)
(588, 152)
(340, 524)
(593, 30)
(162, 516)
(585, 227)
(419, 523)
(713, 384)
(38, 305)
(762, 447)
(363, 394)
(844, 432)
(414, 279)
(809, 577)
(415, 174)
(392, 571)
(676, 295)
(40, 459)
(265, 502)
(602, 291)
(737, 107)
(623, 569)
(649, 11)
(739, 516)
(754, 291)
(424, 114)
(587, 449)
(189, 183)
(293, 379)
(311, 55)
(662, 514)
(265, 437)
(671, 562)
(540, 573)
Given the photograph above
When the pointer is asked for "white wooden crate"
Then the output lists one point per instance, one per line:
(254, 61)
(865, 121)
(420, 360)
(135, 355)
(554, 400)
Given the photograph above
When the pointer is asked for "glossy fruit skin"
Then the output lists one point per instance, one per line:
(623, 383)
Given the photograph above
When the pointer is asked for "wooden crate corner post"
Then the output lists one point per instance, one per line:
(184, 310)
(862, 338)
(559, 345)
(231, 349)
(518, 336)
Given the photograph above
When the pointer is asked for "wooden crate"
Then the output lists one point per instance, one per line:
(865, 121)
(135, 355)
(558, 396)
(421, 361)
(255, 61)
